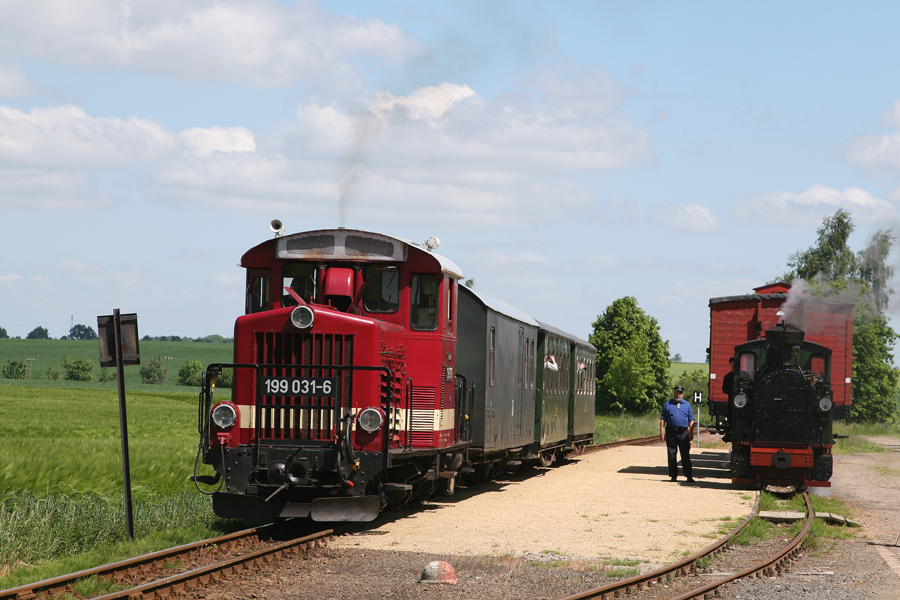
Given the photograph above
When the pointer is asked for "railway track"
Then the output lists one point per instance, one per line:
(210, 559)
(771, 565)
(151, 575)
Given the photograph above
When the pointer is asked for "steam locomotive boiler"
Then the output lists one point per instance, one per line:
(779, 418)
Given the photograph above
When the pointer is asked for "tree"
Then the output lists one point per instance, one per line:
(676, 358)
(189, 373)
(38, 333)
(78, 369)
(82, 332)
(153, 371)
(830, 259)
(830, 266)
(632, 359)
(3, 334)
(874, 380)
(15, 369)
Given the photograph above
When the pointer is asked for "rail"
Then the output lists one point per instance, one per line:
(770, 566)
(139, 567)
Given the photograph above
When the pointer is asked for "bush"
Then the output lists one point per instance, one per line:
(15, 369)
(225, 378)
(107, 375)
(52, 374)
(189, 373)
(78, 369)
(153, 371)
(694, 381)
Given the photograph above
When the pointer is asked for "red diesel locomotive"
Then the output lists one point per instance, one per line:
(346, 396)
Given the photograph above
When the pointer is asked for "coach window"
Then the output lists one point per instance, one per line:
(382, 293)
(258, 293)
(491, 358)
(423, 302)
(300, 277)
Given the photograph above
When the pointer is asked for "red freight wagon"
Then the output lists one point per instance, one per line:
(734, 320)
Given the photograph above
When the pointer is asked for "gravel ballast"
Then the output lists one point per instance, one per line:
(566, 529)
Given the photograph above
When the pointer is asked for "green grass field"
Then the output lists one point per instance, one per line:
(680, 368)
(47, 353)
(61, 477)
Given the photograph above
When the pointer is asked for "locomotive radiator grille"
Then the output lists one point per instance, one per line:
(303, 418)
(422, 417)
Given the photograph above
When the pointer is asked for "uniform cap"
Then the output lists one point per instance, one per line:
(678, 388)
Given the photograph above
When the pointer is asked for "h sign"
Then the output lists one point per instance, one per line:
(698, 397)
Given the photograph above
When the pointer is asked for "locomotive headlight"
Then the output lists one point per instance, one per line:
(302, 317)
(224, 415)
(740, 401)
(370, 420)
(825, 404)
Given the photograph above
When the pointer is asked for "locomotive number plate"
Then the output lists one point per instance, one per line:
(297, 386)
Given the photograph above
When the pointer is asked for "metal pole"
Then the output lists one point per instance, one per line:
(123, 424)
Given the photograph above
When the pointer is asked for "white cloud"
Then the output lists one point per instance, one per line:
(877, 154)
(441, 152)
(259, 43)
(67, 137)
(690, 218)
(425, 102)
(13, 81)
(891, 117)
(205, 141)
(818, 201)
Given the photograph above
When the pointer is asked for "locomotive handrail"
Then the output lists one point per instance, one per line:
(214, 369)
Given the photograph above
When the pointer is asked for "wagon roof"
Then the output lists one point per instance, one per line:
(501, 307)
(754, 297)
(568, 336)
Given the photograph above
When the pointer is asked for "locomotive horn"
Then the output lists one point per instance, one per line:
(277, 226)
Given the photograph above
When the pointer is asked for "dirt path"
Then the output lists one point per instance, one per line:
(870, 484)
(616, 502)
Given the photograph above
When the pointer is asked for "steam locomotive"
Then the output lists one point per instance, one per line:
(780, 413)
(366, 376)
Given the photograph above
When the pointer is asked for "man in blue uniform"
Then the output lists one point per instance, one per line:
(676, 427)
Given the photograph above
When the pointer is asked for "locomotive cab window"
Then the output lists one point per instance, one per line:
(258, 298)
(424, 296)
(817, 365)
(382, 293)
(300, 277)
(746, 364)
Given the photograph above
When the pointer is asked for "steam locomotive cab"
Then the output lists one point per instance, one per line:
(780, 414)
(344, 386)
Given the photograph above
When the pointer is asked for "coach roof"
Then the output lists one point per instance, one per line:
(501, 307)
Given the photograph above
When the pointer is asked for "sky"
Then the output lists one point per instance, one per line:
(566, 154)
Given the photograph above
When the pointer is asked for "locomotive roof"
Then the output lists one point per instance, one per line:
(568, 336)
(501, 307)
(331, 244)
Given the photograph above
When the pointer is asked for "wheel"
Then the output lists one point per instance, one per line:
(579, 449)
(547, 457)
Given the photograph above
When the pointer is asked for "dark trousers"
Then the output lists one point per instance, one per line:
(677, 441)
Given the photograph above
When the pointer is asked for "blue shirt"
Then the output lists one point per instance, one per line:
(677, 414)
